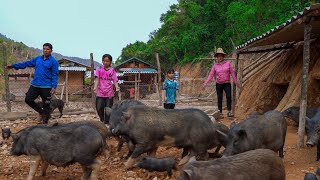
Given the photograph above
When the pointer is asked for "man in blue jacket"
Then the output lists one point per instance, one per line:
(45, 80)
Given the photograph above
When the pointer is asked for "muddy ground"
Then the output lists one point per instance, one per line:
(297, 161)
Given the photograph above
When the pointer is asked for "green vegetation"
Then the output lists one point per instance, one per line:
(192, 28)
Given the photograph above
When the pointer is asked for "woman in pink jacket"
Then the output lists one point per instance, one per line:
(222, 71)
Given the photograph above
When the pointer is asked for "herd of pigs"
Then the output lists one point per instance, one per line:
(253, 147)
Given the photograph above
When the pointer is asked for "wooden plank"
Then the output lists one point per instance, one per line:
(260, 67)
(267, 48)
(241, 75)
(304, 83)
(6, 78)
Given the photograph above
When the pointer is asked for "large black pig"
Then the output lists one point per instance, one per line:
(313, 132)
(115, 117)
(101, 127)
(262, 164)
(60, 145)
(150, 127)
(266, 131)
(293, 113)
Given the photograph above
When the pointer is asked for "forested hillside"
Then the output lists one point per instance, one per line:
(192, 28)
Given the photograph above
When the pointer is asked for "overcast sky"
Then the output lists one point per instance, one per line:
(76, 28)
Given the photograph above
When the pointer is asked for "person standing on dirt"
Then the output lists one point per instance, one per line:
(105, 77)
(170, 87)
(44, 83)
(222, 71)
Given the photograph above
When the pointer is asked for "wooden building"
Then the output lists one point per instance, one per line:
(136, 76)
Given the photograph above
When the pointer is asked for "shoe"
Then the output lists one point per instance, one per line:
(45, 118)
(229, 114)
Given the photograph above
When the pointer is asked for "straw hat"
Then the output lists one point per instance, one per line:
(219, 51)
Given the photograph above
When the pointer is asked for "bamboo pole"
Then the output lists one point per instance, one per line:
(6, 78)
(304, 83)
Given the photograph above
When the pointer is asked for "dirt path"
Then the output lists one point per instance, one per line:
(297, 161)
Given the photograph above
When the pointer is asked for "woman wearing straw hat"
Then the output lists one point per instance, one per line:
(222, 70)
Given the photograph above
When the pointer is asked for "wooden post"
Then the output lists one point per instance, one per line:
(62, 90)
(6, 78)
(159, 79)
(67, 88)
(304, 83)
(135, 87)
(241, 73)
(138, 89)
(234, 94)
(93, 95)
(156, 85)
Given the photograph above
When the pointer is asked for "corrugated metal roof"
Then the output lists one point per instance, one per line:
(138, 70)
(119, 74)
(74, 68)
(84, 62)
(282, 33)
(132, 59)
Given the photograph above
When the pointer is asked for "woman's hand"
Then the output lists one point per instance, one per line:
(205, 85)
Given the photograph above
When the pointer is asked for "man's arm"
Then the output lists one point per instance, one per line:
(22, 65)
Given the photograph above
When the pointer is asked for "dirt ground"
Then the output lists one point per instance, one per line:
(297, 161)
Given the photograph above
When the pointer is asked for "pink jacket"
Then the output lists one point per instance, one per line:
(222, 73)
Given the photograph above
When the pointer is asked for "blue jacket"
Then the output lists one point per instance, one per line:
(171, 87)
(45, 73)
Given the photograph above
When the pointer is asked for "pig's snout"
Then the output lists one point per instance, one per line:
(114, 131)
(310, 143)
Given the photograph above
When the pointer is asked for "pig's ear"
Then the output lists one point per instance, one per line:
(232, 125)
(222, 133)
(242, 133)
(108, 111)
(188, 174)
(14, 136)
(126, 115)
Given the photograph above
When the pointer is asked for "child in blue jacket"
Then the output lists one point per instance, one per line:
(170, 86)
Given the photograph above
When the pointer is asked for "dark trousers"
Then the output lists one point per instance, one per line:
(101, 104)
(45, 95)
(169, 105)
(227, 89)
